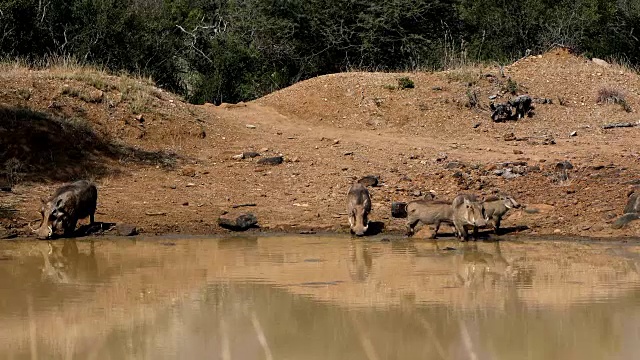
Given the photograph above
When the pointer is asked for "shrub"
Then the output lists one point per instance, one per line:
(405, 83)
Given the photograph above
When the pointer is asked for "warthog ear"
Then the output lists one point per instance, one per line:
(59, 203)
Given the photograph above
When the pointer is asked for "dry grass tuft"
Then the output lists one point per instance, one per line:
(613, 96)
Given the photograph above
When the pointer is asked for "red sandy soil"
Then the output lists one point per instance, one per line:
(334, 129)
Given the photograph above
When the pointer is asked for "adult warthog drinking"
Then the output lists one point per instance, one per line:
(358, 208)
(65, 207)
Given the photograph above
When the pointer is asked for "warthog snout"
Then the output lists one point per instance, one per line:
(476, 215)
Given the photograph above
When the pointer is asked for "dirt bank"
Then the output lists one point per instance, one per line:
(167, 166)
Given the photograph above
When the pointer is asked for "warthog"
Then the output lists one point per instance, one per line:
(495, 207)
(358, 208)
(67, 205)
(631, 210)
(428, 212)
(467, 211)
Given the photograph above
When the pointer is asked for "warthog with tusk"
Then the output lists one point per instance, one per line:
(65, 207)
(358, 208)
(468, 211)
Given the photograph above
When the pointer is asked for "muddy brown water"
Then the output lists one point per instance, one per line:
(319, 297)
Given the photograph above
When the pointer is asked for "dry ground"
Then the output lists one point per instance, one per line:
(167, 166)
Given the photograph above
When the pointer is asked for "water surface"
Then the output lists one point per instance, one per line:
(319, 297)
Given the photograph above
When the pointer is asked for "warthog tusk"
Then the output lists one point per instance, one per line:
(31, 227)
(50, 230)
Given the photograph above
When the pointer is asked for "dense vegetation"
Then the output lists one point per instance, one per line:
(231, 50)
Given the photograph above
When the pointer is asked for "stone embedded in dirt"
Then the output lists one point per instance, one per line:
(237, 157)
(140, 118)
(517, 152)
(155, 213)
(476, 125)
(600, 62)
(543, 100)
(573, 133)
(188, 171)
(240, 223)
(454, 165)
(508, 174)
(399, 209)
(563, 165)
(509, 137)
(416, 193)
(250, 154)
(441, 157)
(369, 180)
(533, 168)
(597, 227)
(347, 153)
(498, 172)
(548, 140)
(519, 169)
(126, 230)
(190, 185)
(249, 126)
(275, 160)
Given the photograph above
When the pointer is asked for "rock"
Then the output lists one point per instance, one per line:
(476, 125)
(140, 118)
(155, 213)
(498, 172)
(517, 152)
(240, 223)
(369, 180)
(188, 171)
(597, 227)
(492, 97)
(533, 168)
(173, 186)
(190, 185)
(519, 169)
(399, 209)
(275, 160)
(441, 157)
(250, 154)
(600, 62)
(186, 203)
(237, 157)
(548, 140)
(454, 165)
(249, 126)
(573, 133)
(557, 231)
(509, 137)
(564, 165)
(417, 193)
(508, 175)
(126, 230)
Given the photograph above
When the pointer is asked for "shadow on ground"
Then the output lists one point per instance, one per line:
(37, 146)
